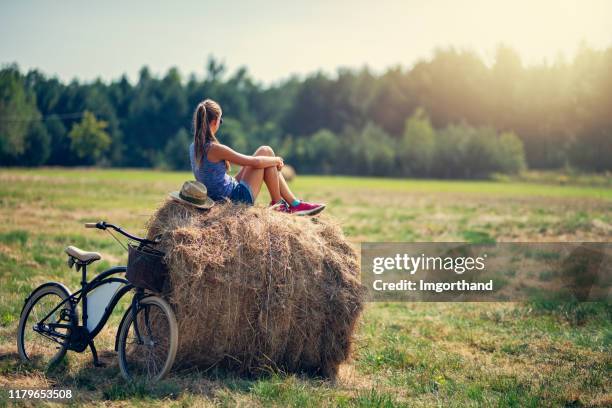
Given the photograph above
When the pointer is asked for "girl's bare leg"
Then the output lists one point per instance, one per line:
(284, 189)
(273, 174)
(277, 186)
(272, 180)
(255, 177)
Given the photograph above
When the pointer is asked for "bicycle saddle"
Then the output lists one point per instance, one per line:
(81, 255)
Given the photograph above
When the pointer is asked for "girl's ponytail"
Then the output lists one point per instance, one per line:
(206, 111)
(200, 127)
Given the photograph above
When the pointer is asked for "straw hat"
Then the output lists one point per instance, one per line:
(193, 193)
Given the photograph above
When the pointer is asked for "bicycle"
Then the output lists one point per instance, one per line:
(147, 337)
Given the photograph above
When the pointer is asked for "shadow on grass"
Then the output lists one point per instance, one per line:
(90, 384)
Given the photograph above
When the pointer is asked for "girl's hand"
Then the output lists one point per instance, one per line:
(280, 164)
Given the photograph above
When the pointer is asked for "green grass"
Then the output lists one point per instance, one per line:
(406, 354)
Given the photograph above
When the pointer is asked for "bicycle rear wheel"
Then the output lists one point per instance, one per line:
(151, 356)
(37, 343)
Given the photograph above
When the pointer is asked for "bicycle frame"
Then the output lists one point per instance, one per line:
(80, 337)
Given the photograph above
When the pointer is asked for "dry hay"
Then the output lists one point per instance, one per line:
(255, 290)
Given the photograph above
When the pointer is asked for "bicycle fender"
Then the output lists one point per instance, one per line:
(125, 315)
(44, 285)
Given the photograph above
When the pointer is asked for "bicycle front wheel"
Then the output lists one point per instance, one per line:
(148, 353)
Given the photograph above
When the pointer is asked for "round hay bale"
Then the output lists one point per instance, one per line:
(256, 290)
(288, 172)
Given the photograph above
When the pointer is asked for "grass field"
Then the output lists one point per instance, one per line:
(412, 354)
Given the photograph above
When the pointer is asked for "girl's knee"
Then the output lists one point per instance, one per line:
(264, 151)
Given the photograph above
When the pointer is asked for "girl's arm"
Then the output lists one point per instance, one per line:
(218, 152)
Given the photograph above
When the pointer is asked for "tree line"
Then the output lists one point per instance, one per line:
(450, 116)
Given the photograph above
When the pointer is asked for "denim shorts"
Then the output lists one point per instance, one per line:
(242, 194)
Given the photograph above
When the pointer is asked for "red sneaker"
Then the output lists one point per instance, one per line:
(306, 208)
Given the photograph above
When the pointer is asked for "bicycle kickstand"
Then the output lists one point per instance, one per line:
(96, 362)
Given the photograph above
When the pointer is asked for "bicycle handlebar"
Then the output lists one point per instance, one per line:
(104, 225)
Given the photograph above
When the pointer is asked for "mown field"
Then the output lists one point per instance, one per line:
(407, 354)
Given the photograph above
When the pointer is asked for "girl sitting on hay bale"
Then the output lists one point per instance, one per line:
(210, 161)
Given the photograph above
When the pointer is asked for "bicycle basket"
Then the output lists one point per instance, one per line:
(146, 268)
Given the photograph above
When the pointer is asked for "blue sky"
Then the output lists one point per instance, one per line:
(275, 39)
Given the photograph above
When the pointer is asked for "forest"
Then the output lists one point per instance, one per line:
(453, 115)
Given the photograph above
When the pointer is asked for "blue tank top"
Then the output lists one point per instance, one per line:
(218, 183)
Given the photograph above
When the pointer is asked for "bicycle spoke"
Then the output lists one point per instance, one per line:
(41, 348)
